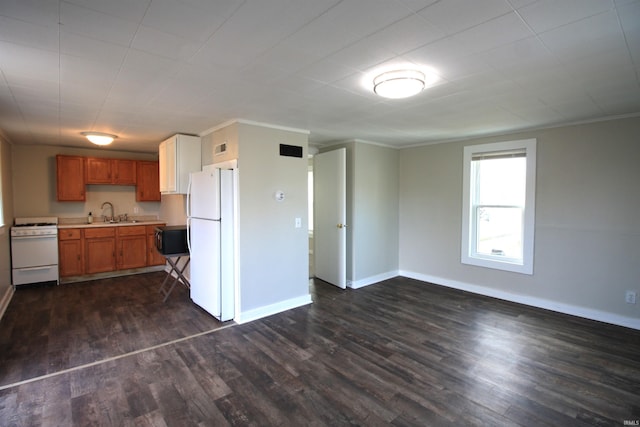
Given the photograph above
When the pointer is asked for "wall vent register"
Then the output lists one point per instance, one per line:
(290, 150)
(220, 149)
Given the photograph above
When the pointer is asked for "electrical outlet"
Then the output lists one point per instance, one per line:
(630, 297)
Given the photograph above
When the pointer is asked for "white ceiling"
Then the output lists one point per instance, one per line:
(147, 69)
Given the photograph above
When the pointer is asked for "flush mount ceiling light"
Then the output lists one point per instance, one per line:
(99, 138)
(398, 84)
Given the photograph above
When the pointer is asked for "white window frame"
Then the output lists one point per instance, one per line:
(468, 255)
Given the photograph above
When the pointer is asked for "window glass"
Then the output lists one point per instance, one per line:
(498, 204)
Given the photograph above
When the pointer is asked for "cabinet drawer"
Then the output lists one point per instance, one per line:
(133, 230)
(99, 232)
(69, 234)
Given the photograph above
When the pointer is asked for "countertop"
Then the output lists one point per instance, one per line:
(111, 224)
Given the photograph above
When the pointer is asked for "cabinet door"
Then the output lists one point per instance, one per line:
(100, 254)
(153, 256)
(132, 251)
(124, 172)
(167, 157)
(70, 257)
(148, 182)
(70, 178)
(98, 171)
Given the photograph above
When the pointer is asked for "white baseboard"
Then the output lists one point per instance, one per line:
(587, 313)
(6, 299)
(268, 310)
(372, 279)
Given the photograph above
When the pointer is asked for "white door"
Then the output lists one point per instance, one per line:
(167, 162)
(330, 216)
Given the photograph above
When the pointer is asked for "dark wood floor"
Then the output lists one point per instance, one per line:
(401, 352)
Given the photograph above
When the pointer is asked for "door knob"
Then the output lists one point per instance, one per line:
(342, 225)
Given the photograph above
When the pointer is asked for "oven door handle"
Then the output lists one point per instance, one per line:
(43, 267)
(38, 236)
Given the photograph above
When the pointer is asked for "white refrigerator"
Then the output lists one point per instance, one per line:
(210, 203)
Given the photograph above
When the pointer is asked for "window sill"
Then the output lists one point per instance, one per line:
(513, 267)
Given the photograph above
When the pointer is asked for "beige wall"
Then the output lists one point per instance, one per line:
(173, 209)
(274, 264)
(227, 135)
(34, 185)
(587, 236)
(375, 213)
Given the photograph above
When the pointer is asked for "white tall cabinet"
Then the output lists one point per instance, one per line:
(179, 156)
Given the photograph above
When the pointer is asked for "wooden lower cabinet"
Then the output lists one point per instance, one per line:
(103, 249)
(100, 250)
(132, 247)
(153, 256)
(70, 252)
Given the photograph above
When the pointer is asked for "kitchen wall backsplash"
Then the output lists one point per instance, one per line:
(173, 209)
(123, 199)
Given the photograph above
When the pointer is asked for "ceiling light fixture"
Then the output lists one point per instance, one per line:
(100, 138)
(398, 84)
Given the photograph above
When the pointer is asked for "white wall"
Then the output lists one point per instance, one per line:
(587, 238)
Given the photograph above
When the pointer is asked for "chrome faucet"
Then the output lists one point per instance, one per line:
(112, 217)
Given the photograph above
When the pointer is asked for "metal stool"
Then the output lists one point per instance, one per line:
(179, 274)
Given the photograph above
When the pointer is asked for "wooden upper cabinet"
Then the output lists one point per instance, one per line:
(70, 175)
(74, 172)
(148, 181)
(124, 171)
(98, 171)
(111, 171)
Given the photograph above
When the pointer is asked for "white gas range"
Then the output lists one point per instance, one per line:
(34, 250)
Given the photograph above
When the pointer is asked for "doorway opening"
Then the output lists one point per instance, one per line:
(310, 216)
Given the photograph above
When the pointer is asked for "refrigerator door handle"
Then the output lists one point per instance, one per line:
(189, 234)
(189, 197)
